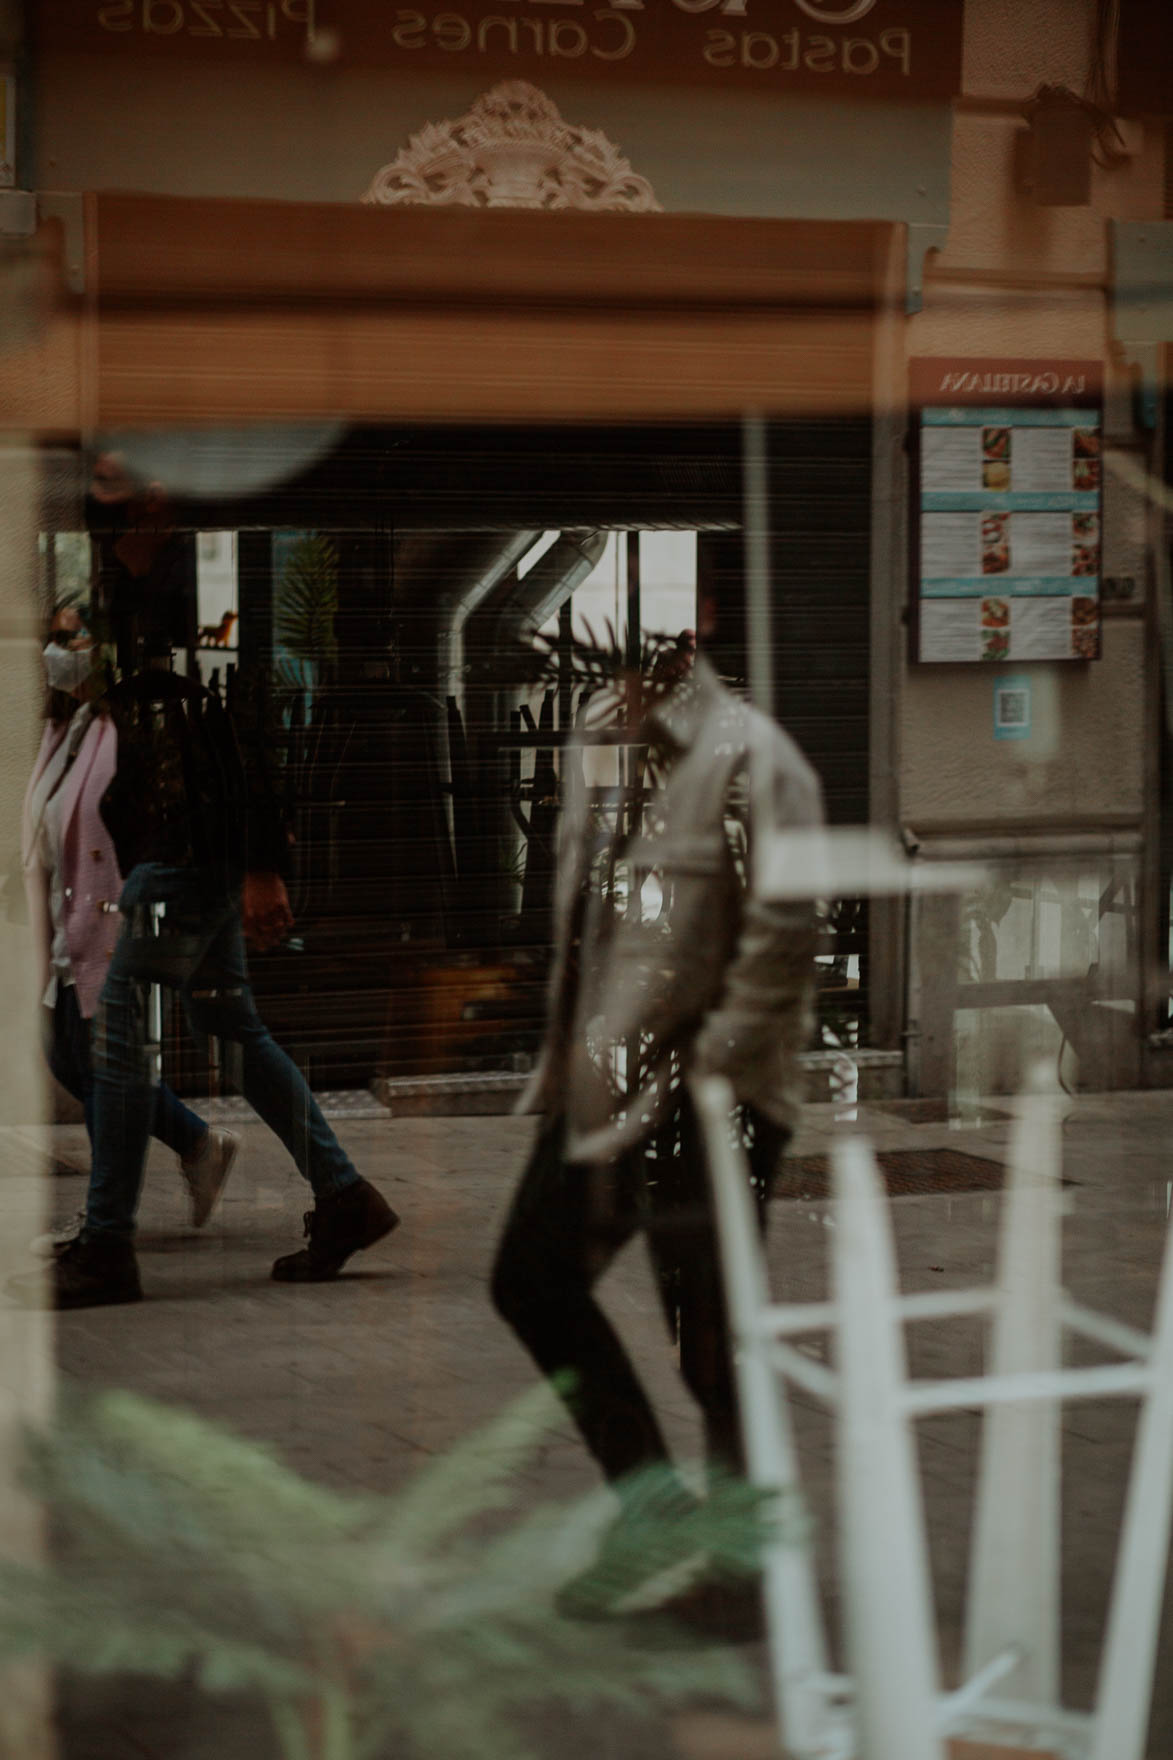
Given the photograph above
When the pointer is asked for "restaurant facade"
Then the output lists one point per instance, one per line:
(442, 323)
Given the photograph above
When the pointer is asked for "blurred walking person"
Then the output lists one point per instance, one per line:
(202, 843)
(73, 883)
(669, 962)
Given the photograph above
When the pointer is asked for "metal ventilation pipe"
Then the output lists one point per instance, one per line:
(441, 583)
(520, 605)
(493, 636)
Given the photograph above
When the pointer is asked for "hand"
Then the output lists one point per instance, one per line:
(264, 910)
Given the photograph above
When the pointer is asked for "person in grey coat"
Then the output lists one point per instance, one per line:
(669, 962)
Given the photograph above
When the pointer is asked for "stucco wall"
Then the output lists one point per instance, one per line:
(1083, 761)
(320, 134)
(1018, 279)
(1012, 46)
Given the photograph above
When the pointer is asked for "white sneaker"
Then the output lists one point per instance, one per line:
(61, 1235)
(207, 1171)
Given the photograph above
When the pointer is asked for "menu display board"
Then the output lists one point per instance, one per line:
(1007, 520)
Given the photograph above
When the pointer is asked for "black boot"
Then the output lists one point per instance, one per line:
(93, 1272)
(336, 1227)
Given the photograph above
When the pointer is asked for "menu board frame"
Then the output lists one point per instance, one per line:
(1006, 486)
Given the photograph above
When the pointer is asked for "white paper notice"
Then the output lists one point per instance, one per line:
(951, 458)
(1041, 461)
(950, 629)
(1041, 543)
(1042, 629)
(950, 545)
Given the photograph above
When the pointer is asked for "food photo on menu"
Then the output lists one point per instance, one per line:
(995, 543)
(1085, 544)
(1085, 627)
(1085, 640)
(1085, 463)
(996, 459)
(995, 619)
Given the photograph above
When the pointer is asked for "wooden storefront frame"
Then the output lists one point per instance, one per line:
(205, 311)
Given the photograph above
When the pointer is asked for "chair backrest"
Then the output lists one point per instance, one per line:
(798, 1647)
(1012, 1615)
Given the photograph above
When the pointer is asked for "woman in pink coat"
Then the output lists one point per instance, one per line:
(73, 885)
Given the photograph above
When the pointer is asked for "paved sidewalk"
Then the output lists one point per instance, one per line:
(358, 1382)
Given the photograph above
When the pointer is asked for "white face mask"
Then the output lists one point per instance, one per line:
(67, 668)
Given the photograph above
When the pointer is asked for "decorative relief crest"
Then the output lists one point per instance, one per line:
(512, 150)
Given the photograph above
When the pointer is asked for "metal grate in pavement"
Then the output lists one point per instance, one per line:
(340, 1103)
(907, 1173)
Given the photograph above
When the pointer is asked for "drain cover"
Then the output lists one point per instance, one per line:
(906, 1172)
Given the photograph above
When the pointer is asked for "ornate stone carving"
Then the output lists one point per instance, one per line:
(512, 150)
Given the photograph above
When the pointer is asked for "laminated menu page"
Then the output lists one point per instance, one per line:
(1007, 522)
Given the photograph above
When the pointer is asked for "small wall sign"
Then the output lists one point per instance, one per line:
(1012, 706)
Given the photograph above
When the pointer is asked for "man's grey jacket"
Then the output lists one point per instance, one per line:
(720, 979)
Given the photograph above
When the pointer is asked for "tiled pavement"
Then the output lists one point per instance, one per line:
(359, 1381)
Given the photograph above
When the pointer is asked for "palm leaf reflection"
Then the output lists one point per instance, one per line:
(422, 1623)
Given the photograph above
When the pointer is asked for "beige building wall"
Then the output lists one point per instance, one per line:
(319, 134)
(1017, 279)
(1035, 963)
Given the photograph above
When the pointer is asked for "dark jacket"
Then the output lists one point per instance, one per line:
(180, 794)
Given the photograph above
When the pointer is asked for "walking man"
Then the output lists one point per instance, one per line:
(668, 962)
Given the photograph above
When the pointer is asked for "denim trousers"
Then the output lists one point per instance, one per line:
(197, 949)
(68, 1052)
(568, 1221)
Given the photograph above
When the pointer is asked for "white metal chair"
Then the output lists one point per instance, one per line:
(892, 1706)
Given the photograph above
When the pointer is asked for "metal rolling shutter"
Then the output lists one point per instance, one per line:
(638, 343)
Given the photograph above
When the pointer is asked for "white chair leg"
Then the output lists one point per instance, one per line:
(1124, 1698)
(1013, 1595)
(885, 1571)
(798, 1649)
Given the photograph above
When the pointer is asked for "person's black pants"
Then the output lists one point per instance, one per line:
(566, 1224)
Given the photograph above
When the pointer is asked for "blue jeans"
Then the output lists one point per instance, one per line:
(68, 1053)
(198, 951)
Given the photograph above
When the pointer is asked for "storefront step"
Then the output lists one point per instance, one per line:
(881, 1077)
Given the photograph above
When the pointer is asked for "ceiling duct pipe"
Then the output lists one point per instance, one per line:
(494, 636)
(519, 610)
(441, 583)
(526, 604)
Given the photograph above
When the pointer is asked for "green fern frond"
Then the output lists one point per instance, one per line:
(306, 600)
(424, 1623)
(473, 1477)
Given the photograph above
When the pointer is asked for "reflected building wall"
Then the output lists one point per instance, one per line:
(1018, 279)
(975, 265)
